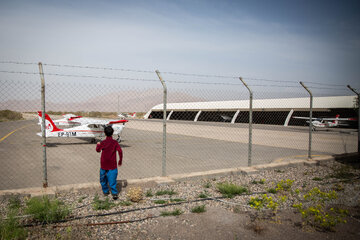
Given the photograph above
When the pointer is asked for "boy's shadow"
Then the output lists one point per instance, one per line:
(121, 184)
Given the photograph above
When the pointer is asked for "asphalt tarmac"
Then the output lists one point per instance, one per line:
(191, 147)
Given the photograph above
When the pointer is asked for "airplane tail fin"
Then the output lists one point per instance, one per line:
(133, 114)
(336, 121)
(49, 124)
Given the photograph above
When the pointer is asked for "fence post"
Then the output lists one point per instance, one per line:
(43, 127)
(250, 122)
(310, 119)
(358, 101)
(164, 124)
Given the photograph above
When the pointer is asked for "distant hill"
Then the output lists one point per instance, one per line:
(129, 101)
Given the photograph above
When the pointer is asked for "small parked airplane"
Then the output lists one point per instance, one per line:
(126, 115)
(327, 122)
(90, 130)
(226, 118)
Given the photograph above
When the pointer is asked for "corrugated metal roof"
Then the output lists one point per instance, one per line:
(284, 103)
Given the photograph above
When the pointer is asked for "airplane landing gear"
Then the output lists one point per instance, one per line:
(118, 139)
(93, 140)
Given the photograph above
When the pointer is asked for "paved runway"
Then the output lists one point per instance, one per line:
(191, 147)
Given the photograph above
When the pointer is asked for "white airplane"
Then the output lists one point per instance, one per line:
(126, 115)
(92, 130)
(327, 122)
(226, 118)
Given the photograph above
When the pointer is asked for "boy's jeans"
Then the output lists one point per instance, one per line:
(108, 176)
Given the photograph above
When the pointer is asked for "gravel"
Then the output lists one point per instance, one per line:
(148, 213)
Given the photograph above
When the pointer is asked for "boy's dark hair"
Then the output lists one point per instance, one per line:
(108, 131)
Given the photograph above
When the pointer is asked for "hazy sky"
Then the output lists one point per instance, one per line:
(288, 40)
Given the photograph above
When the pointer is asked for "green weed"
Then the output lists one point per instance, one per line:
(317, 179)
(81, 199)
(10, 227)
(165, 192)
(261, 181)
(14, 203)
(125, 203)
(177, 200)
(229, 190)
(271, 190)
(160, 201)
(207, 185)
(102, 204)
(176, 212)
(203, 195)
(45, 210)
(149, 193)
(198, 209)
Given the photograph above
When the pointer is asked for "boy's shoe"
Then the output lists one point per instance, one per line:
(115, 196)
(106, 194)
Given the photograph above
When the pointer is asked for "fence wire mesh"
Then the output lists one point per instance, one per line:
(207, 126)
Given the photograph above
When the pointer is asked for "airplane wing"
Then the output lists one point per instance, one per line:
(306, 118)
(71, 117)
(339, 119)
(106, 122)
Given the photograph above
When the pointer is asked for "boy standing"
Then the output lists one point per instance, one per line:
(108, 168)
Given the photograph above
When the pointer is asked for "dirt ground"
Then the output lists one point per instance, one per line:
(218, 223)
(215, 223)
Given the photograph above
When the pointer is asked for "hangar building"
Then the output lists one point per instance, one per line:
(265, 111)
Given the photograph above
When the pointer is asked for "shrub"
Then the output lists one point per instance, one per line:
(263, 202)
(229, 190)
(316, 213)
(284, 185)
(45, 210)
(198, 209)
(10, 115)
(10, 227)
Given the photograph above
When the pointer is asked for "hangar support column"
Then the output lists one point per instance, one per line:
(197, 116)
(235, 116)
(168, 118)
(286, 123)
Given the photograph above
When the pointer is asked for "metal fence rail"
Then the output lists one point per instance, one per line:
(167, 142)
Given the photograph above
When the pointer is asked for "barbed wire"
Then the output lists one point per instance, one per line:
(324, 84)
(172, 73)
(155, 80)
(281, 86)
(19, 72)
(98, 68)
(18, 63)
(82, 76)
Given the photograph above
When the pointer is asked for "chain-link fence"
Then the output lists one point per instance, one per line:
(207, 125)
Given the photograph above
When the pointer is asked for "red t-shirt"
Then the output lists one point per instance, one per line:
(108, 156)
